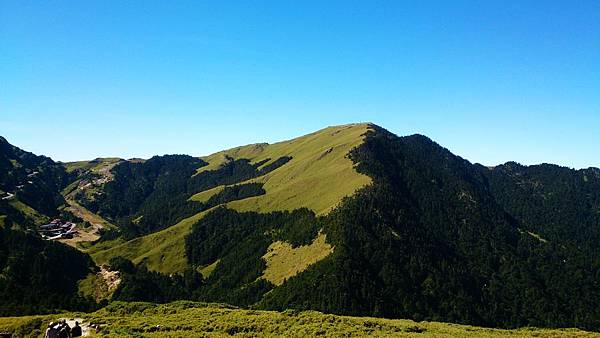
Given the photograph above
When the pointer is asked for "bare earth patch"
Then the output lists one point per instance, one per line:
(111, 278)
(101, 285)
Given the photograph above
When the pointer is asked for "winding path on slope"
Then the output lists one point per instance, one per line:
(90, 234)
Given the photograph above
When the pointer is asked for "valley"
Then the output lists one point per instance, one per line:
(350, 220)
(101, 169)
(299, 169)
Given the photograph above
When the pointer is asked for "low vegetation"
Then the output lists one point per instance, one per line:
(284, 261)
(187, 319)
(98, 165)
(161, 251)
(317, 176)
(350, 220)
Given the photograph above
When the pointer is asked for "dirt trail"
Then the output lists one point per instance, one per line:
(85, 235)
(90, 234)
(86, 330)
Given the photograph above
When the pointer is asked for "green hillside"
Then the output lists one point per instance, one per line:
(96, 166)
(423, 234)
(35, 276)
(187, 319)
(29, 186)
(349, 220)
(161, 251)
(317, 177)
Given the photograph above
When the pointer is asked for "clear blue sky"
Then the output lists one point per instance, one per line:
(491, 81)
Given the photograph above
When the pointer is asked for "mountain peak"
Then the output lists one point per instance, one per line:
(347, 219)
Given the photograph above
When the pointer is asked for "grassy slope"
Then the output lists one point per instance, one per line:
(318, 177)
(207, 270)
(94, 286)
(94, 165)
(284, 261)
(207, 194)
(28, 212)
(187, 319)
(87, 215)
(162, 251)
(100, 166)
(35, 217)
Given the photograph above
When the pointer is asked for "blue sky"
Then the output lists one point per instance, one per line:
(491, 81)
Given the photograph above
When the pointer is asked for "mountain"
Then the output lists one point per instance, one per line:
(29, 185)
(431, 239)
(558, 203)
(36, 276)
(351, 220)
(317, 177)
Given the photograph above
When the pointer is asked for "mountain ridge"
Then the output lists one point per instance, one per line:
(281, 185)
(387, 226)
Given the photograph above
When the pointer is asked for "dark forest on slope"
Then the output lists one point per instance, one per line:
(34, 276)
(560, 204)
(433, 238)
(38, 276)
(152, 195)
(33, 180)
(428, 240)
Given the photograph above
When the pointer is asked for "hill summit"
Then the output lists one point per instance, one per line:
(351, 220)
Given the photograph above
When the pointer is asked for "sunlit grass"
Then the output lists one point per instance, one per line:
(318, 177)
(283, 261)
(189, 319)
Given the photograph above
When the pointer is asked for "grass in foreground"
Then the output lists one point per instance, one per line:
(187, 319)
